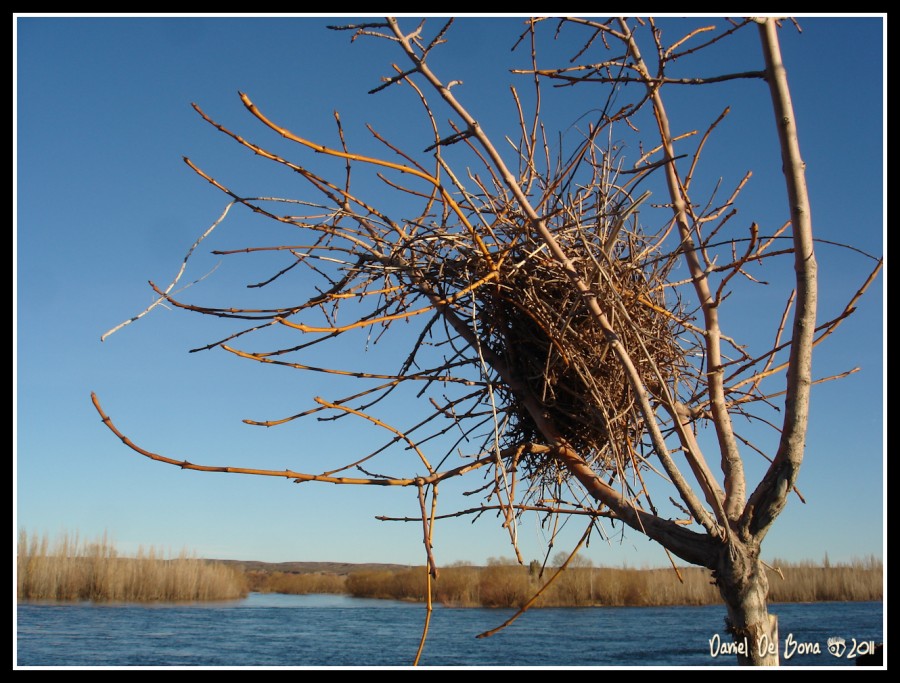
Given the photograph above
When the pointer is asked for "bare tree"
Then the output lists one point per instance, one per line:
(558, 343)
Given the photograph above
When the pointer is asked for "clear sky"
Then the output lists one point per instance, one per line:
(104, 203)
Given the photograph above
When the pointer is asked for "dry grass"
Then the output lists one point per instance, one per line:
(458, 586)
(806, 582)
(72, 569)
(76, 570)
(406, 584)
(505, 584)
(298, 584)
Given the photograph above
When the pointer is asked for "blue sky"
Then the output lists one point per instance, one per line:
(104, 203)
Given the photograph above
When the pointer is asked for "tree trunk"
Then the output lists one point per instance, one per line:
(743, 584)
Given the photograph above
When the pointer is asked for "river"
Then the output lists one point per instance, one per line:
(270, 630)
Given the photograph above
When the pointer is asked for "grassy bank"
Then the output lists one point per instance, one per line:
(71, 569)
(504, 584)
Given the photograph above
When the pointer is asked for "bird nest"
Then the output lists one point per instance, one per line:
(538, 323)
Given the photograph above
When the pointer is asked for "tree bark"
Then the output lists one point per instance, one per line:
(744, 586)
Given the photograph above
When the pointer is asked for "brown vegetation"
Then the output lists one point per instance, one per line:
(405, 584)
(503, 583)
(78, 570)
(296, 584)
(806, 582)
(75, 570)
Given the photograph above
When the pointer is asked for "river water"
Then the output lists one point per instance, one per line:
(270, 630)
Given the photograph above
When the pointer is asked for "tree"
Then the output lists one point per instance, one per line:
(559, 340)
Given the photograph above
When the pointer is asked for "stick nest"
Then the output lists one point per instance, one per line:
(537, 321)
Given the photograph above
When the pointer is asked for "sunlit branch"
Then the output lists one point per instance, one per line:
(378, 162)
(433, 375)
(177, 277)
(364, 246)
(826, 329)
(297, 477)
(767, 499)
(379, 423)
(732, 465)
(397, 316)
(521, 507)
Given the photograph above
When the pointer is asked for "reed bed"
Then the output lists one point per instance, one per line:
(863, 579)
(405, 584)
(298, 584)
(74, 570)
(505, 584)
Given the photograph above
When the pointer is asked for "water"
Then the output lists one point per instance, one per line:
(339, 631)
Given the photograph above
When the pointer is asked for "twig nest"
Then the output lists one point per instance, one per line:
(536, 320)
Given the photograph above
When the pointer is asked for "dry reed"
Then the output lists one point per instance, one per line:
(73, 570)
(506, 584)
(299, 584)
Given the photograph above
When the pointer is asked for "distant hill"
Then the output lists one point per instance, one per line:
(339, 568)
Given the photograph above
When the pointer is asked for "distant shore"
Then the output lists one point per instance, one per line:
(75, 570)
(503, 583)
